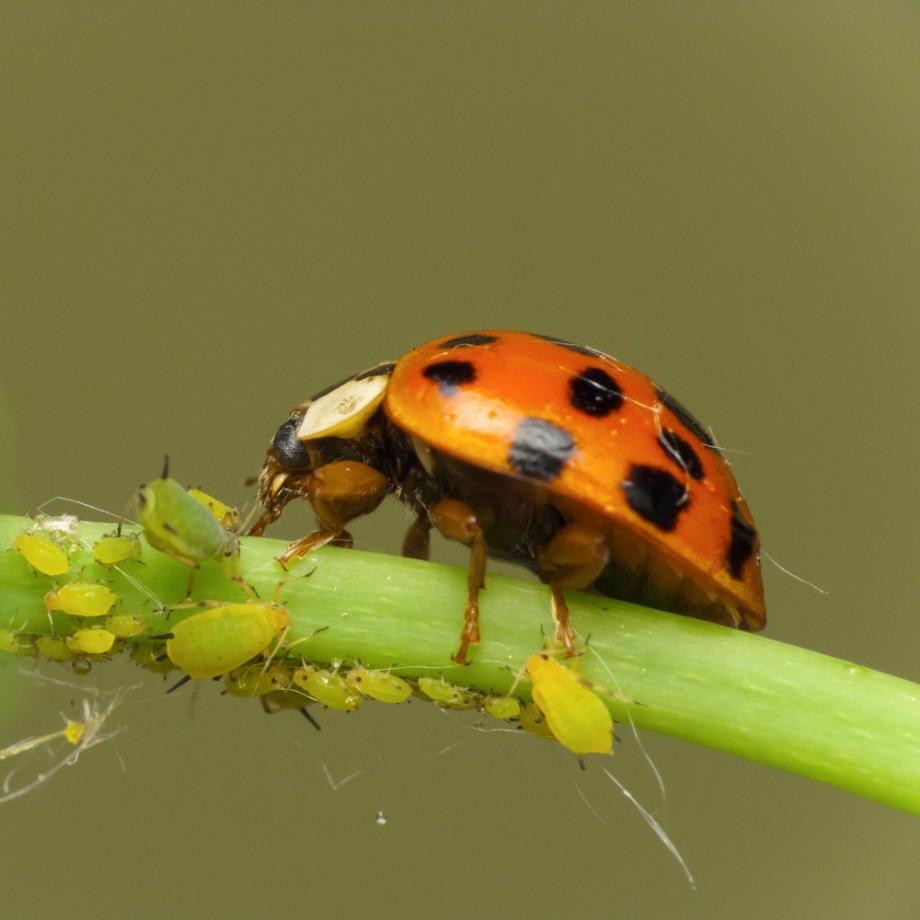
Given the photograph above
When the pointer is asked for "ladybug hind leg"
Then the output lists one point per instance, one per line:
(417, 542)
(571, 560)
(456, 520)
(337, 492)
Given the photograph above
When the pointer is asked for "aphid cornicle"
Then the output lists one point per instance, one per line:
(532, 449)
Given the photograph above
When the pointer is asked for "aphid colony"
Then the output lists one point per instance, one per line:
(244, 644)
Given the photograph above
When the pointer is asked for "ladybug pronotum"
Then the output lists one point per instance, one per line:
(534, 450)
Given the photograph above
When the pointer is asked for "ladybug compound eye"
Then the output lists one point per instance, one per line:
(344, 411)
(291, 453)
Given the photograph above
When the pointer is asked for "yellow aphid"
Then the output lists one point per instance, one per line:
(533, 721)
(42, 554)
(81, 599)
(73, 731)
(11, 643)
(448, 695)
(379, 685)
(328, 688)
(226, 516)
(148, 655)
(575, 713)
(53, 649)
(116, 549)
(501, 707)
(221, 639)
(291, 698)
(125, 625)
(255, 680)
(91, 641)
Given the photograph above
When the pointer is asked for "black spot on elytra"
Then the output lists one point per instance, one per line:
(741, 548)
(595, 393)
(540, 448)
(655, 495)
(680, 451)
(291, 452)
(463, 341)
(571, 346)
(449, 375)
(686, 418)
(378, 370)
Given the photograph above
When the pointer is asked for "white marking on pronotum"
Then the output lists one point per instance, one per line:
(343, 412)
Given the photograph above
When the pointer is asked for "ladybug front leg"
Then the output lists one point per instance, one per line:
(573, 559)
(457, 521)
(337, 492)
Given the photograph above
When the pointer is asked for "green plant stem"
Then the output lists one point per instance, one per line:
(827, 719)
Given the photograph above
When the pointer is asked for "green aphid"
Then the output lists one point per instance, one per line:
(181, 526)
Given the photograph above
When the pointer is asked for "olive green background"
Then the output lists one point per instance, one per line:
(211, 210)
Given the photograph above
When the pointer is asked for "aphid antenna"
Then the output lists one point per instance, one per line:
(140, 586)
(122, 519)
(302, 639)
(250, 510)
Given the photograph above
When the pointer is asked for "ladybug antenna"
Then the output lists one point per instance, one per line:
(165, 473)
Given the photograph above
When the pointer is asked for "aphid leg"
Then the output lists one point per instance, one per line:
(190, 584)
(572, 559)
(181, 682)
(233, 566)
(457, 521)
(418, 538)
(338, 492)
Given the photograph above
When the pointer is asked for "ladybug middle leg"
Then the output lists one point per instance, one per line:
(572, 559)
(337, 492)
(457, 521)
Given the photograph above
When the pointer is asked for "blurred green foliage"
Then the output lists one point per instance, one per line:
(6, 499)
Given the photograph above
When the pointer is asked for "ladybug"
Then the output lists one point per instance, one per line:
(537, 451)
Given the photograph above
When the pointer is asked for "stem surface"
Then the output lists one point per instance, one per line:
(821, 717)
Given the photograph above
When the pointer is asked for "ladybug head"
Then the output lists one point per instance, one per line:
(339, 414)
